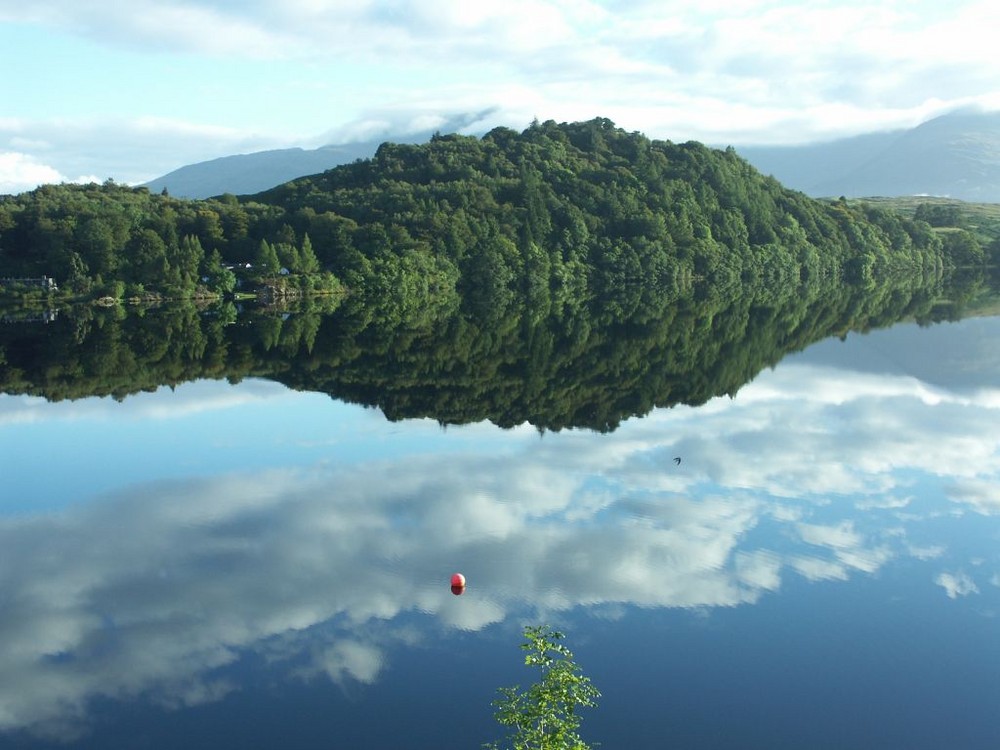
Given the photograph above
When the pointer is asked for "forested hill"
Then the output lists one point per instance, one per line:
(561, 204)
(559, 209)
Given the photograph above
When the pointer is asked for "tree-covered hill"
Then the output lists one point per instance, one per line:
(560, 209)
(588, 204)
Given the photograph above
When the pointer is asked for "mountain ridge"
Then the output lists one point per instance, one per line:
(240, 173)
(243, 174)
(954, 155)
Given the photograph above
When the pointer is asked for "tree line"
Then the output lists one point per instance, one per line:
(559, 209)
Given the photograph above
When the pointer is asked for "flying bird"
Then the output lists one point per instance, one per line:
(677, 459)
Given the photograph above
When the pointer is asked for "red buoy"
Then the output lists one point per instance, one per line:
(458, 580)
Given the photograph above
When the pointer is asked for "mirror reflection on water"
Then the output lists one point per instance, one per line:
(248, 562)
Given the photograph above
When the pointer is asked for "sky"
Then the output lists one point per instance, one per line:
(98, 89)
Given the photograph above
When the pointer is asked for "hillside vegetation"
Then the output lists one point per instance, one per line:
(560, 209)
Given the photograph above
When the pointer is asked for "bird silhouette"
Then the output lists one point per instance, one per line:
(677, 459)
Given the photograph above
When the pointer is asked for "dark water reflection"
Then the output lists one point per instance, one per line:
(248, 566)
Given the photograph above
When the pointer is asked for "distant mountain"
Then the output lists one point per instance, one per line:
(251, 173)
(956, 155)
(243, 174)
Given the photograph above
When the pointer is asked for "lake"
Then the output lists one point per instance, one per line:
(230, 557)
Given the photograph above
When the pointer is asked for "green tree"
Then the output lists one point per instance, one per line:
(939, 215)
(220, 279)
(544, 717)
(186, 259)
(288, 256)
(963, 249)
(308, 262)
(96, 244)
(208, 227)
(488, 274)
(147, 257)
(266, 260)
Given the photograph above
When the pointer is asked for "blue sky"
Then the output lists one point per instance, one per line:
(133, 90)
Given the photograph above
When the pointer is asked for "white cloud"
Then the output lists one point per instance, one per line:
(956, 584)
(930, 552)
(721, 73)
(760, 569)
(849, 547)
(841, 536)
(349, 658)
(888, 502)
(981, 495)
(165, 403)
(817, 569)
(130, 151)
(865, 560)
(19, 172)
(150, 25)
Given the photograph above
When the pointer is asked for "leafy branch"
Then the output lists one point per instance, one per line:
(544, 717)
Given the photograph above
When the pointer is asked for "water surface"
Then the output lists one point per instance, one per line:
(245, 565)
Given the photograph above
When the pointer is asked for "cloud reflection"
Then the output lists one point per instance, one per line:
(956, 584)
(156, 589)
(151, 589)
(165, 404)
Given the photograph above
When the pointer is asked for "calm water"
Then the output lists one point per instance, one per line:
(240, 566)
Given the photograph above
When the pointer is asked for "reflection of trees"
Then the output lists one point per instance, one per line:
(161, 589)
(557, 365)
